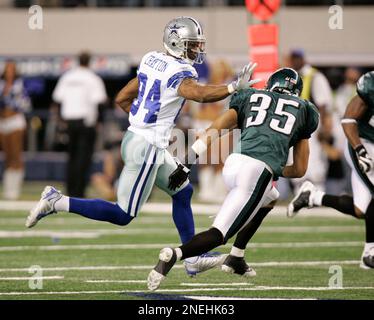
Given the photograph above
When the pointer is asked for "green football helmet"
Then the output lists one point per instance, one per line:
(285, 80)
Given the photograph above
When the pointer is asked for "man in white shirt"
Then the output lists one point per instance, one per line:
(80, 91)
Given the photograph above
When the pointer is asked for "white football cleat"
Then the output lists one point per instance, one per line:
(167, 259)
(45, 206)
(203, 262)
(302, 199)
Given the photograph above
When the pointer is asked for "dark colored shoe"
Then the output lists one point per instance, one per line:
(237, 265)
(367, 262)
(301, 200)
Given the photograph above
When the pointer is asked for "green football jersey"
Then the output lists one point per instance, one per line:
(365, 89)
(271, 123)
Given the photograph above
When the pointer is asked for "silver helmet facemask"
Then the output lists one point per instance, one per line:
(184, 39)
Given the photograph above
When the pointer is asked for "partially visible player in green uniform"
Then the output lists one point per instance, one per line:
(358, 126)
(271, 122)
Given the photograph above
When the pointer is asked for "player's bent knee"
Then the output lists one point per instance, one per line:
(123, 217)
(185, 193)
(124, 220)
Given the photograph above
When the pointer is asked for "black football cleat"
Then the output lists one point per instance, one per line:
(302, 199)
(238, 266)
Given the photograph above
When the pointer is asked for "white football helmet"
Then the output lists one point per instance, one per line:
(184, 39)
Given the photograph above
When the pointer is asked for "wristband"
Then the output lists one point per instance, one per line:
(348, 120)
(199, 147)
(231, 88)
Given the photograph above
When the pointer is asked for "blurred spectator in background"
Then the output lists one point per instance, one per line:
(114, 125)
(337, 182)
(105, 182)
(317, 90)
(335, 171)
(346, 91)
(80, 91)
(14, 102)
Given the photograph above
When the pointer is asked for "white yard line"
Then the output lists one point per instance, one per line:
(63, 219)
(86, 247)
(87, 268)
(303, 263)
(333, 244)
(260, 288)
(97, 233)
(116, 281)
(224, 284)
(240, 298)
(166, 208)
(149, 267)
(50, 234)
(327, 244)
(31, 278)
(310, 229)
(266, 288)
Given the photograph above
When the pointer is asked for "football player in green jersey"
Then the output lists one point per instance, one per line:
(271, 122)
(358, 126)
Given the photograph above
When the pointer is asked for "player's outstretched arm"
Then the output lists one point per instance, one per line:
(355, 111)
(300, 160)
(227, 120)
(190, 89)
(127, 94)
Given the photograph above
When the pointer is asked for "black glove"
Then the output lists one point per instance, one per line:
(178, 176)
(364, 160)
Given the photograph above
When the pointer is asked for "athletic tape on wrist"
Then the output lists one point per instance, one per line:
(231, 88)
(199, 147)
(348, 120)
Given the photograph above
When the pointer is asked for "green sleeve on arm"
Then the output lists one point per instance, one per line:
(312, 121)
(237, 103)
(365, 86)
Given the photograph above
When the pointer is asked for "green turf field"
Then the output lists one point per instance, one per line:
(83, 259)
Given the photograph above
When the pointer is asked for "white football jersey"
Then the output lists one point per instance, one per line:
(155, 110)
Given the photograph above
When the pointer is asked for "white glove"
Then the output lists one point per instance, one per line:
(365, 162)
(244, 79)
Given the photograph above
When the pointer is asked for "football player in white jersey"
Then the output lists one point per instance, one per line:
(153, 99)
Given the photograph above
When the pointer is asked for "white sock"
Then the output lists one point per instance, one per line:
(317, 197)
(62, 204)
(236, 252)
(368, 246)
(178, 251)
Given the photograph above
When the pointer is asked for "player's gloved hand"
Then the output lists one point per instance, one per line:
(178, 176)
(364, 160)
(244, 78)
